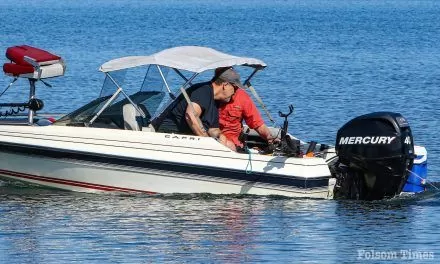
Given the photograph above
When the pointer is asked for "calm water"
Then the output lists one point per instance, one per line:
(333, 60)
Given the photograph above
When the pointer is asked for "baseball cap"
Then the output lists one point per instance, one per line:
(229, 75)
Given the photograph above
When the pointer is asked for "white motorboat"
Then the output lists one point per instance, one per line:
(114, 143)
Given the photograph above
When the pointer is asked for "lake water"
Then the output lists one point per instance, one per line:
(333, 60)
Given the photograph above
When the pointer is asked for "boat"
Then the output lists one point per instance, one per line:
(114, 143)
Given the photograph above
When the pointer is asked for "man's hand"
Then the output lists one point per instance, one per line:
(273, 141)
(216, 133)
(264, 132)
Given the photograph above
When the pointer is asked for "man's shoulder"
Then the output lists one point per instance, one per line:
(201, 90)
(196, 86)
(242, 95)
(202, 94)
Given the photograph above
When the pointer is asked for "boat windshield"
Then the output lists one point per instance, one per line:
(151, 89)
(152, 92)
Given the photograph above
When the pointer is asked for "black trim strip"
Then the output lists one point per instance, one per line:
(201, 171)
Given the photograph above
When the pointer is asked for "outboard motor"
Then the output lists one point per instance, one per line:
(375, 153)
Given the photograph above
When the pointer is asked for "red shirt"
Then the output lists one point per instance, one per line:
(232, 114)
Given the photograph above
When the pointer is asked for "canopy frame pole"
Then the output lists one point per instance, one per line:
(181, 75)
(252, 74)
(188, 100)
(249, 86)
(112, 98)
(163, 78)
(109, 101)
(128, 97)
(187, 81)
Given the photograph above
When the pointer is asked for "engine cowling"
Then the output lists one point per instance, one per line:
(375, 152)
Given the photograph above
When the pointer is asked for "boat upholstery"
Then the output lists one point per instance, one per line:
(133, 120)
(34, 63)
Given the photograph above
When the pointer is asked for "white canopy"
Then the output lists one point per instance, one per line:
(189, 58)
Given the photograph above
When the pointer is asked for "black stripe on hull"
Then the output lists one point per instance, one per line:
(201, 171)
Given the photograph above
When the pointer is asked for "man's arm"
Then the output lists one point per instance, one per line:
(264, 132)
(216, 133)
(253, 119)
(193, 119)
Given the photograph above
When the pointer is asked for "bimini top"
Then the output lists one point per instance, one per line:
(190, 58)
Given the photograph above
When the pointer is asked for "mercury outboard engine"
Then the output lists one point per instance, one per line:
(375, 153)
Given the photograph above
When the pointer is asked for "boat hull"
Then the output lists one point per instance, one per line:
(102, 160)
(74, 175)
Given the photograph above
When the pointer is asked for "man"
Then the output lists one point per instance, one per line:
(201, 117)
(240, 107)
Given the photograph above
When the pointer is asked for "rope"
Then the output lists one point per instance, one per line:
(13, 81)
(12, 111)
(249, 164)
(423, 179)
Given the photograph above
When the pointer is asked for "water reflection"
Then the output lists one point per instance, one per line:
(51, 225)
(389, 225)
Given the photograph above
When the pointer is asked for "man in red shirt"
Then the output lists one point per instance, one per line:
(239, 108)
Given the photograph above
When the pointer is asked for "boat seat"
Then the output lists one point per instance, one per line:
(133, 120)
(33, 63)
